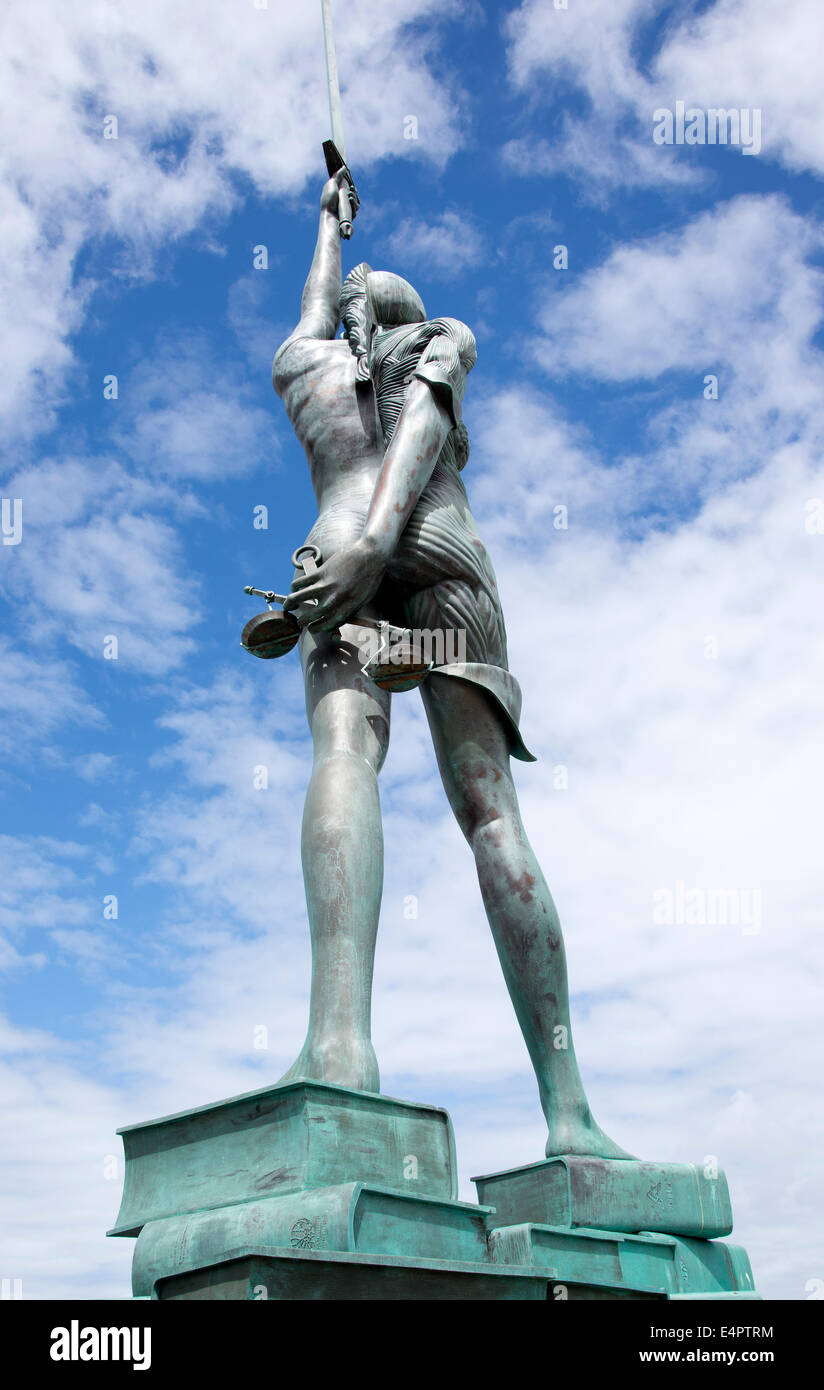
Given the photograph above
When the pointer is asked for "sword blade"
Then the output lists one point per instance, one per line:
(335, 110)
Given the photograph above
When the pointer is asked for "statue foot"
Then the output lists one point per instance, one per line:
(579, 1134)
(342, 1061)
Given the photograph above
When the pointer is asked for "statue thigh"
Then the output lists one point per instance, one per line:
(472, 751)
(347, 713)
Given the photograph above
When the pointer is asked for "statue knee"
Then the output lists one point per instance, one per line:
(485, 807)
(344, 736)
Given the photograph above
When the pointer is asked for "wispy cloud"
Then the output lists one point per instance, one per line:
(44, 888)
(186, 412)
(94, 565)
(38, 695)
(445, 247)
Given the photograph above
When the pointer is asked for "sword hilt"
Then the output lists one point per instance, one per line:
(348, 200)
(345, 214)
(269, 594)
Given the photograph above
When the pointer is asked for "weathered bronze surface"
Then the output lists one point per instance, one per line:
(651, 1263)
(379, 415)
(318, 1191)
(270, 634)
(324, 1276)
(625, 1196)
(282, 1139)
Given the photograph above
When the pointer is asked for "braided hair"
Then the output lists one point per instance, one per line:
(356, 316)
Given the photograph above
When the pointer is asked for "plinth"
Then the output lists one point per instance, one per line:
(313, 1191)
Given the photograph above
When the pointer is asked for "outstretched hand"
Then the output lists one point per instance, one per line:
(338, 587)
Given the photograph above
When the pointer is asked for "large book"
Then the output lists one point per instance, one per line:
(651, 1263)
(611, 1194)
(352, 1217)
(283, 1139)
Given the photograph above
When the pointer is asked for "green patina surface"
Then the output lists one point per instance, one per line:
(353, 1217)
(285, 1276)
(648, 1262)
(619, 1195)
(283, 1139)
(314, 1191)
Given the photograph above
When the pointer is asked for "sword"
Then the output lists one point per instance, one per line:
(335, 150)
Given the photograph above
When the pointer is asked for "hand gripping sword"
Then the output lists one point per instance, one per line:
(334, 150)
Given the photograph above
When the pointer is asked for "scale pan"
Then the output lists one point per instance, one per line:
(270, 634)
(402, 674)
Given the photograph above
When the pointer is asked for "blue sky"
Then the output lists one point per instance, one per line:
(667, 640)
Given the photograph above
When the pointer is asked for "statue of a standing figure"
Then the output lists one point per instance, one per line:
(378, 413)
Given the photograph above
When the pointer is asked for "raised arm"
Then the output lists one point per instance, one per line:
(319, 303)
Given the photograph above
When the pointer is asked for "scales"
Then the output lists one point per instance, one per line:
(396, 666)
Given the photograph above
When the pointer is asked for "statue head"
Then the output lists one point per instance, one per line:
(372, 299)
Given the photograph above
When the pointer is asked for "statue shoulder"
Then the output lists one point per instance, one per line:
(459, 334)
(295, 354)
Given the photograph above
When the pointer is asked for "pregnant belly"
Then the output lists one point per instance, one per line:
(439, 542)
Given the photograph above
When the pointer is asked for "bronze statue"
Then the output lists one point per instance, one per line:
(378, 413)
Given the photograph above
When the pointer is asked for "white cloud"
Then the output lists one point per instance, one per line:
(543, 461)
(38, 694)
(754, 53)
(183, 414)
(94, 766)
(731, 287)
(54, 1212)
(42, 887)
(257, 336)
(201, 95)
(734, 294)
(735, 54)
(684, 766)
(93, 564)
(594, 42)
(704, 771)
(591, 46)
(445, 247)
(95, 816)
